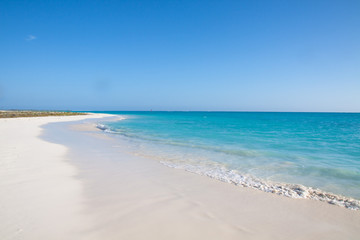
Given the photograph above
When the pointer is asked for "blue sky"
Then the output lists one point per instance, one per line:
(180, 55)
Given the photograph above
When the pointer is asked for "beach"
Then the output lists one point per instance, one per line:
(62, 178)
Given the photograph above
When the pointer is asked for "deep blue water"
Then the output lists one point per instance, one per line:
(320, 150)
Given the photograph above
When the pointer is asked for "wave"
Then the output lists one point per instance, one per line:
(284, 189)
(221, 173)
(105, 128)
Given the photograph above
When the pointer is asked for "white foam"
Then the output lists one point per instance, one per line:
(101, 126)
(284, 189)
(105, 128)
(221, 173)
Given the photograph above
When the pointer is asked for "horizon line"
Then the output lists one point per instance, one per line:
(249, 111)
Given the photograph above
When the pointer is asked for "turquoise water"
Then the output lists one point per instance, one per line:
(318, 150)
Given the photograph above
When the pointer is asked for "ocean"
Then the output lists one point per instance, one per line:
(301, 155)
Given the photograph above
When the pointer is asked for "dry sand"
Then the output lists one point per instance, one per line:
(39, 196)
(78, 183)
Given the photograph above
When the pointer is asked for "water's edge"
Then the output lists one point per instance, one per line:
(284, 189)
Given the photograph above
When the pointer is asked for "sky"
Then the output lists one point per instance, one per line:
(173, 55)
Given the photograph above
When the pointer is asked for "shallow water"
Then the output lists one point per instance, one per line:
(318, 150)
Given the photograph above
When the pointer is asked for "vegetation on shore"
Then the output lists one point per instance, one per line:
(30, 113)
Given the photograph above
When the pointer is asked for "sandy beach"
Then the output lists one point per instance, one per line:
(40, 198)
(61, 178)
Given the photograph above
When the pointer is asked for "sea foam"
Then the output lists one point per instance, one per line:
(283, 189)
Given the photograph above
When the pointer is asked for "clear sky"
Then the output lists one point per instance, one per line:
(243, 55)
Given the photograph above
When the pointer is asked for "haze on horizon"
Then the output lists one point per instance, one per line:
(180, 55)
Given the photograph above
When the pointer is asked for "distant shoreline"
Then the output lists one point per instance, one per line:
(34, 113)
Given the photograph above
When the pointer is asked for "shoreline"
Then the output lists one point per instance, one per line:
(291, 190)
(295, 191)
(118, 195)
(40, 198)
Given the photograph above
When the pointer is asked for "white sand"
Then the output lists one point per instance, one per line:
(39, 196)
(116, 195)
